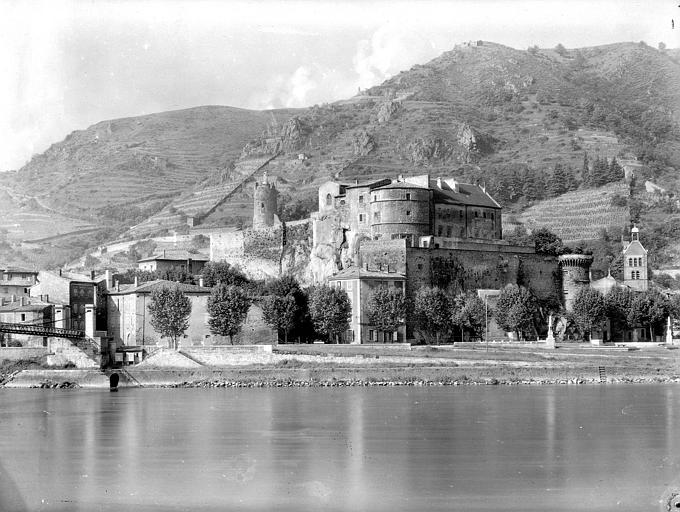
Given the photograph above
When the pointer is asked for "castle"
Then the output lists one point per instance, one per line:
(407, 233)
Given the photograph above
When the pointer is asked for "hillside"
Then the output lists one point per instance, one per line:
(579, 215)
(483, 112)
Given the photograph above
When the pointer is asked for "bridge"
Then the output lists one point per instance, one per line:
(40, 330)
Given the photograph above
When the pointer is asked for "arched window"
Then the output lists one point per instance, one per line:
(329, 200)
(630, 262)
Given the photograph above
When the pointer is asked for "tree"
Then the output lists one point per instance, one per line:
(387, 309)
(650, 309)
(170, 310)
(558, 183)
(222, 272)
(615, 170)
(469, 313)
(547, 242)
(618, 302)
(432, 313)
(561, 50)
(589, 310)
(515, 309)
(228, 306)
(330, 310)
(586, 175)
(280, 313)
(285, 307)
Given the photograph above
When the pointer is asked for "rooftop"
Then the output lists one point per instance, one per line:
(176, 255)
(355, 272)
(16, 306)
(151, 286)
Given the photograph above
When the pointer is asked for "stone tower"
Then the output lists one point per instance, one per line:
(575, 276)
(635, 263)
(264, 205)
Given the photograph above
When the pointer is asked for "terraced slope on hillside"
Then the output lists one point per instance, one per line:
(580, 215)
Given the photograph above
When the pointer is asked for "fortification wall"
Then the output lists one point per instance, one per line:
(226, 245)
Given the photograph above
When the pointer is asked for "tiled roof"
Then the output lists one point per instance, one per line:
(151, 286)
(354, 272)
(467, 194)
(176, 255)
(16, 306)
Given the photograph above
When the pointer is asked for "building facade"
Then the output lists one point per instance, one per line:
(16, 283)
(174, 261)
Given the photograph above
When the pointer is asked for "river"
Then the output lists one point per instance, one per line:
(609, 447)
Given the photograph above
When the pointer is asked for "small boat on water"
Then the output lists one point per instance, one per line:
(113, 382)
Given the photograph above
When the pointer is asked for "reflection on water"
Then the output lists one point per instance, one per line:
(547, 448)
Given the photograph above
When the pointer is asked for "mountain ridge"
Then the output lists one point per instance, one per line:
(481, 111)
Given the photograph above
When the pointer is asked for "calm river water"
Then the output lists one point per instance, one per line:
(397, 449)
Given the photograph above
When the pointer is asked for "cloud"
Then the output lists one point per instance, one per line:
(391, 49)
(309, 84)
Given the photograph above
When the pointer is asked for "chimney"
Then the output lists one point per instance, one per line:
(400, 178)
(117, 285)
(200, 282)
(439, 183)
(107, 276)
(136, 281)
(91, 275)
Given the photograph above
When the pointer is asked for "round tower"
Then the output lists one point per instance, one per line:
(264, 203)
(575, 276)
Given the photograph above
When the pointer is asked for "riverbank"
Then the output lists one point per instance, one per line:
(310, 366)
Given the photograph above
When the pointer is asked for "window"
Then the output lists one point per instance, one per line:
(448, 231)
(440, 229)
(408, 197)
(349, 286)
(460, 214)
(476, 214)
(493, 216)
(635, 261)
(361, 217)
(342, 201)
(329, 200)
(640, 261)
(408, 213)
(376, 216)
(261, 205)
(25, 290)
(630, 262)
(361, 199)
(23, 317)
(371, 335)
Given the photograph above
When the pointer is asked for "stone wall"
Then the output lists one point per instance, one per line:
(22, 353)
(265, 243)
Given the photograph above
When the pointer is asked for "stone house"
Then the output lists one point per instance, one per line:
(16, 282)
(359, 283)
(129, 320)
(73, 291)
(25, 311)
(174, 261)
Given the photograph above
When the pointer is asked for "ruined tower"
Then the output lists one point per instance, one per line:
(575, 276)
(264, 203)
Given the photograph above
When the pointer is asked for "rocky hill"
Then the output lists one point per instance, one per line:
(482, 111)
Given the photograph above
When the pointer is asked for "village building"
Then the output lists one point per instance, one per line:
(359, 284)
(25, 311)
(16, 282)
(75, 293)
(174, 261)
(635, 263)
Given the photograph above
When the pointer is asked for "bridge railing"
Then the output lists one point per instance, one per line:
(40, 330)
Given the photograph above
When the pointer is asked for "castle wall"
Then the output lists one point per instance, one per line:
(226, 245)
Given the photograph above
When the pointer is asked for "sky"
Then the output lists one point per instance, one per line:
(67, 64)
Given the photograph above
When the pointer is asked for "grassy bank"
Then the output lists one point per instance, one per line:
(328, 366)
